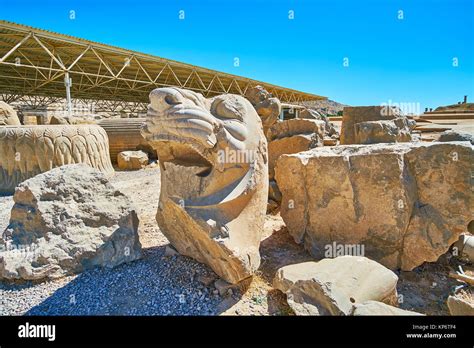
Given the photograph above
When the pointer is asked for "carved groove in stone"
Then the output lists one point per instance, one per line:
(214, 179)
(26, 151)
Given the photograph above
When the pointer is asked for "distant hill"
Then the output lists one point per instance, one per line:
(327, 107)
(457, 107)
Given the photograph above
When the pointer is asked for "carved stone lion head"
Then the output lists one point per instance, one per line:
(214, 178)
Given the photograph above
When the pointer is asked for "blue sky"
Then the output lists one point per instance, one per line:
(407, 60)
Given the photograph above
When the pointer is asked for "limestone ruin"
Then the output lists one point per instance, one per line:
(8, 116)
(214, 179)
(406, 203)
(375, 124)
(67, 220)
(26, 151)
(334, 286)
(267, 106)
(125, 135)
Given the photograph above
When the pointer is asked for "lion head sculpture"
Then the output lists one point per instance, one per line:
(214, 178)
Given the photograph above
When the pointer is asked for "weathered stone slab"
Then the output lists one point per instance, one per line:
(379, 308)
(65, 221)
(296, 126)
(373, 132)
(459, 305)
(214, 179)
(132, 160)
(451, 135)
(26, 151)
(333, 286)
(405, 203)
(267, 106)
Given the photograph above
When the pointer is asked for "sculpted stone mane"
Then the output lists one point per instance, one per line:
(26, 151)
(214, 179)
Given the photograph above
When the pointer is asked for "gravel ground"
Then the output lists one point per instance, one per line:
(177, 285)
(155, 285)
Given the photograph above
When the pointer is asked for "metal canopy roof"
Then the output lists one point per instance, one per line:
(34, 62)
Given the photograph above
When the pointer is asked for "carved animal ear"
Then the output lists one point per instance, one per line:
(228, 107)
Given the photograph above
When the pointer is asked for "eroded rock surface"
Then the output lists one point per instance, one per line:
(267, 106)
(8, 116)
(404, 203)
(26, 151)
(452, 135)
(375, 124)
(379, 308)
(214, 180)
(65, 221)
(132, 160)
(333, 286)
(461, 304)
(293, 136)
(330, 130)
(389, 131)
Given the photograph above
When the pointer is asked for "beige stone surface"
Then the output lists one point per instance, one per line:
(390, 131)
(332, 286)
(379, 308)
(289, 145)
(455, 135)
(293, 136)
(329, 128)
(67, 220)
(460, 306)
(405, 203)
(8, 116)
(132, 160)
(358, 114)
(55, 119)
(296, 126)
(267, 107)
(465, 246)
(214, 181)
(26, 151)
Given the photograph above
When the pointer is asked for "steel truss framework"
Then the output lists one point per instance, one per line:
(80, 106)
(36, 62)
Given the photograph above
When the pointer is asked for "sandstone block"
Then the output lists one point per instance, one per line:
(404, 203)
(293, 136)
(379, 308)
(354, 115)
(451, 135)
(65, 221)
(459, 305)
(372, 132)
(333, 286)
(132, 160)
(267, 107)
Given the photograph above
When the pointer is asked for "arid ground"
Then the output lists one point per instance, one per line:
(177, 285)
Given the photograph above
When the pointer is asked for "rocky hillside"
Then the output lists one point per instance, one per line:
(327, 107)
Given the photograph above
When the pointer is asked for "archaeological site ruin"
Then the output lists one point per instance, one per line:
(131, 184)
